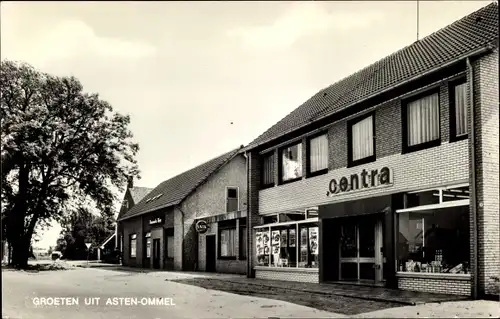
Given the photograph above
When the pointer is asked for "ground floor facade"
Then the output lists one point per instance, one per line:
(413, 229)
(162, 240)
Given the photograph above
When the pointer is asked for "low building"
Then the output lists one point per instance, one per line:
(193, 221)
(390, 176)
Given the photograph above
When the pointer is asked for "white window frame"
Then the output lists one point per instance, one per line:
(238, 197)
(442, 204)
(148, 241)
(133, 237)
(355, 122)
(309, 153)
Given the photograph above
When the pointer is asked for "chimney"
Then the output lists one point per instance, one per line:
(130, 182)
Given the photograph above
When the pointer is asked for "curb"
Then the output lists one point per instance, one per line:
(377, 299)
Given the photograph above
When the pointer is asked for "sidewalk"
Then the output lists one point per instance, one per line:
(354, 291)
(460, 309)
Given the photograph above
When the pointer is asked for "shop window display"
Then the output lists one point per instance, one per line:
(279, 247)
(435, 241)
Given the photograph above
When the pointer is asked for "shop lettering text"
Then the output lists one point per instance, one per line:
(366, 179)
(155, 221)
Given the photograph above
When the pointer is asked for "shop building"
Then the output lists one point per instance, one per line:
(390, 176)
(193, 221)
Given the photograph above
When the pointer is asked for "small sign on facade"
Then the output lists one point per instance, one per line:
(156, 221)
(88, 245)
(201, 226)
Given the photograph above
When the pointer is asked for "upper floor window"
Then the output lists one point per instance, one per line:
(421, 128)
(291, 162)
(267, 172)
(317, 157)
(232, 199)
(458, 109)
(361, 140)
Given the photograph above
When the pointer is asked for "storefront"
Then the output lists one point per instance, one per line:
(222, 244)
(287, 246)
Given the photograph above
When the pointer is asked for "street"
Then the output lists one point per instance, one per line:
(21, 290)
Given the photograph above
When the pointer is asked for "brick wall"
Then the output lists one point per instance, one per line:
(434, 285)
(487, 170)
(427, 168)
(288, 275)
(253, 218)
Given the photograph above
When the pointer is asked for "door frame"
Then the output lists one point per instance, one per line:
(213, 258)
(156, 253)
(378, 260)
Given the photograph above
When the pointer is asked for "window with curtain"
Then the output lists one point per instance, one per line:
(460, 109)
(133, 245)
(148, 245)
(318, 153)
(268, 170)
(291, 162)
(423, 120)
(362, 139)
(227, 242)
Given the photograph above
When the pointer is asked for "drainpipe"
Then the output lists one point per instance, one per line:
(249, 220)
(182, 233)
(472, 145)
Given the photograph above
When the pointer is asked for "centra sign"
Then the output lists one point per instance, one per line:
(366, 179)
(201, 226)
(156, 221)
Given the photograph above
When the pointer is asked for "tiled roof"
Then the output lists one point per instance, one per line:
(460, 38)
(173, 191)
(138, 193)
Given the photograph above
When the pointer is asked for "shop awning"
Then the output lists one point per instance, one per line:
(224, 216)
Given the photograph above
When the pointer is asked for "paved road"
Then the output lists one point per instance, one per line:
(21, 290)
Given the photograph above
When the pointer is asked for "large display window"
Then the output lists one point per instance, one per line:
(288, 244)
(435, 238)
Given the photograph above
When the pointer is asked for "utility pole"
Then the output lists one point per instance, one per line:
(418, 20)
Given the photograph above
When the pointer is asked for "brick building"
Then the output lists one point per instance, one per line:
(193, 221)
(389, 176)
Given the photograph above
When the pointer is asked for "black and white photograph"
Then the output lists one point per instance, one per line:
(250, 159)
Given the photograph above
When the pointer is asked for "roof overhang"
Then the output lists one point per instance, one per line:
(481, 50)
(223, 216)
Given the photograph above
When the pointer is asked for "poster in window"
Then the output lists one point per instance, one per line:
(303, 247)
(291, 239)
(259, 244)
(313, 240)
(266, 243)
(284, 238)
(276, 241)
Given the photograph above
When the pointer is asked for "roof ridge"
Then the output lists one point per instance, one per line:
(178, 187)
(416, 55)
(201, 164)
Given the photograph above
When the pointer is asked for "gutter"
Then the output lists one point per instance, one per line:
(481, 50)
(249, 219)
(182, 228)
(472, 146)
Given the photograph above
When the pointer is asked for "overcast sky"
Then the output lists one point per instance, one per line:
(201, 78)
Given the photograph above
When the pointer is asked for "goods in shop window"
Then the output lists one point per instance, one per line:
(291, 242)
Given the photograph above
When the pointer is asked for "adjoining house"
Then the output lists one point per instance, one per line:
(193, 221)
(132, 196)
(389, 176)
